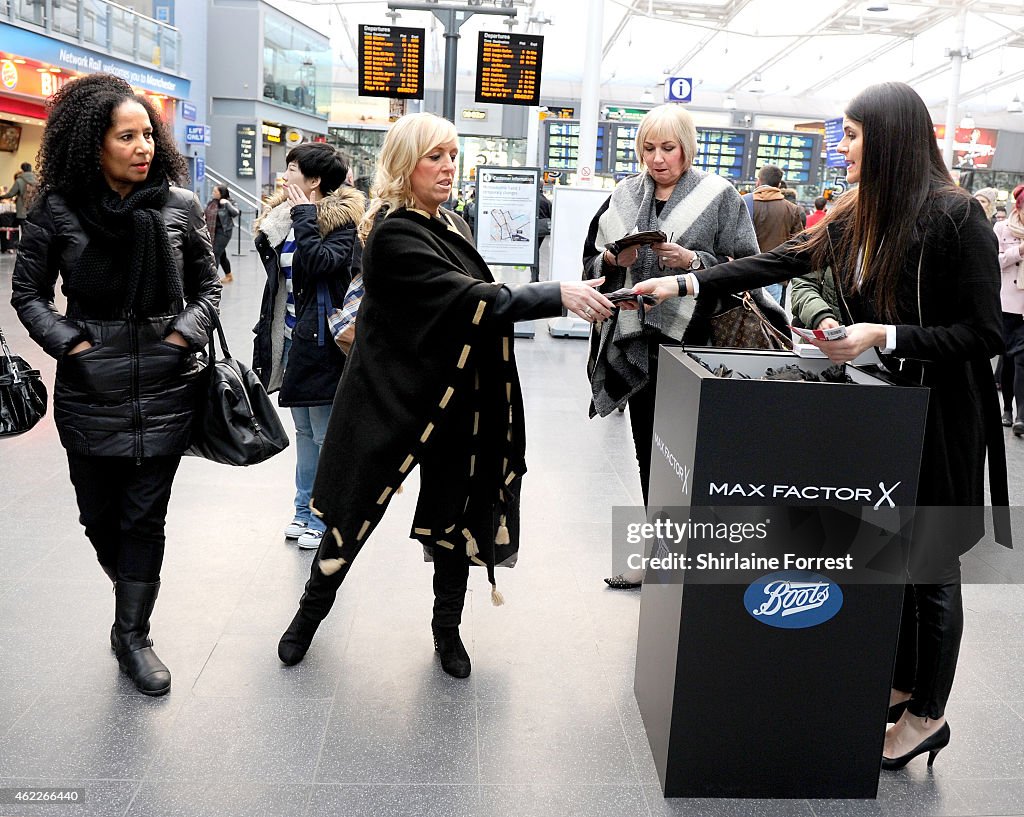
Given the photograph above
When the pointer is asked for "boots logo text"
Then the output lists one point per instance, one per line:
(793, 600)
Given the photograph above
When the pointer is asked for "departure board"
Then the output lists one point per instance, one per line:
(721, 151)
(508, 68)
(796, 154)
(391, 61)
(624, 149)
(563, 146)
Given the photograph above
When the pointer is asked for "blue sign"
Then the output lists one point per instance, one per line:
(195, 134)
(793, 600)
(188, 111)
(26, 43)
(163, 10)
(678, 89)
(833, 136)
(200, 169)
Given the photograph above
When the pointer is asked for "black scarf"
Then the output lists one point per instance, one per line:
(128, 265)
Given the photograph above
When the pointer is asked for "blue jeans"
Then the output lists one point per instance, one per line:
(310, 428)
(775, 290)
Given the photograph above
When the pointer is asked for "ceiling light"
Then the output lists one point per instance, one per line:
(1015, 105)
(967, 123)
(878, 7)
(729, 103)
(757, 86)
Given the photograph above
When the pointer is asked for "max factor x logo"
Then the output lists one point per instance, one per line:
(813, 493)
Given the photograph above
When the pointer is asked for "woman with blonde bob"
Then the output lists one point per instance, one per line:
(431, 381)
(706, 223)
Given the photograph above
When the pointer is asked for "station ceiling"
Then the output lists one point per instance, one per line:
(789, 57)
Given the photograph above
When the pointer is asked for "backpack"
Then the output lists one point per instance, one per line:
(29, 194)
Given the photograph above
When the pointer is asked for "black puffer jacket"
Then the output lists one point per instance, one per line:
(325, 235)
(131, 394)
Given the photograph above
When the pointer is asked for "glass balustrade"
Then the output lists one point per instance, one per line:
(107, 27)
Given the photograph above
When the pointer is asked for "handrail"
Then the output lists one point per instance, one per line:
(238, 192)
(242, 197)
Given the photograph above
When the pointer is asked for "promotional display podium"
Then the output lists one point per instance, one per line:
(756, 682)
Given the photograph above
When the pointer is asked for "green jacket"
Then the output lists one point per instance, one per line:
(19, 191)
(817, 296)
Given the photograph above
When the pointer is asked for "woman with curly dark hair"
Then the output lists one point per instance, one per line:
(134, 257)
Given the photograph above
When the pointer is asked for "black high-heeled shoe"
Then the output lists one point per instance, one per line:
(620, 582)
(896, 711)
(933, 744)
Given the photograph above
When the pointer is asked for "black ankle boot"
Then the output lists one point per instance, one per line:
(315, 604)
(134, 649)
(448, 645)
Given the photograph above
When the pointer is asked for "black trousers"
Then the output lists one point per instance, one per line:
(1012, 365)
(451, 577)
(641, 414)
(123, 507)
(929, 646)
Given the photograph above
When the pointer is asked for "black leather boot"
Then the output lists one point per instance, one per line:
(316, 602)
(134, 606)
(448, 645)
(112, 575)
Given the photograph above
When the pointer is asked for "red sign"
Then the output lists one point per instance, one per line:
(972, 148)
(30, 79)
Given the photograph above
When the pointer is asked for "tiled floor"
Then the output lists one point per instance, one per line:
(368, 724)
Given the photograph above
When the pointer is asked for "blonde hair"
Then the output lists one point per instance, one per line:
(672, 121)
(408, 141)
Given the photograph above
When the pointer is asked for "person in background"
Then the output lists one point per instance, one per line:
(305, 238)
(469, 211)
(220, 221)
(789, 194)
(987, 197)
(819, 212)
(1000, 214)
(776, 220)
(134, 256)
(1010, 234)
(918, 268)
(543, 228)
(23, 191)
(431, 382)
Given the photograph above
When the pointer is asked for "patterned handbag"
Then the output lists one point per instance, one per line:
(744, 326)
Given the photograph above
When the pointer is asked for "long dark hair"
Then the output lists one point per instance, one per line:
(901, 170)
(79, 116)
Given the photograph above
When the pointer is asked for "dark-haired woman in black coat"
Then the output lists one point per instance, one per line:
(134, 256)
(916, 264)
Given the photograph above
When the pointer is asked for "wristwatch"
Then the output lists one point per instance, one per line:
(695, 263)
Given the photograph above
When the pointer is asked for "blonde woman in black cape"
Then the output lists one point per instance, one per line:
(432, 382)
(919, 280)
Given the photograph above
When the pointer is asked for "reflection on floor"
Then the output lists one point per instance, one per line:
(368, 724)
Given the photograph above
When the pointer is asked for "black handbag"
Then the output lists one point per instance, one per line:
(22, 393)
(235, 422)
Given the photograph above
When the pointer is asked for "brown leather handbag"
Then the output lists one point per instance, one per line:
(744, 326)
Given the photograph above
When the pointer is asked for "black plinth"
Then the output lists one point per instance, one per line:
(735, 706)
